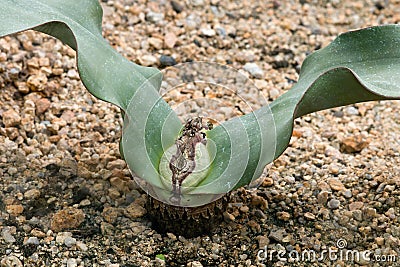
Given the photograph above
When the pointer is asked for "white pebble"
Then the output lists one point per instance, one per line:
(254, 70)
(33, 240)
(72, 262)
(70, 241)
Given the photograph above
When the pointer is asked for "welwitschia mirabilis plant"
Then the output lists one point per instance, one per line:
(358, 66)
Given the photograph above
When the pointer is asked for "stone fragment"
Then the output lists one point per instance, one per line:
(352, 111)
(72, 262)
(110, 214)
(283, 215)
(347, 193)
(68, 116)
(7, 235)
(82, 246)
(278, 235)
(166, 61)
(197, 2)
(10, 261)
(354, 144)
(135, 210)
(336, 184)
(254, 70)
(259, 201)
(268, 182)
(15, 209)
(11, 118)
(228, 217)
(369, 213)
(33, 240)
(37, 82)
(357, 205)
(154, 17)
(12, 132)
(157, 43)
(309, 216)
(273, 93)
(113, 193)
(106, 228)
(176, 6)
(170, 39)
(333, 204)
(357, 215)
(37, 233)
(22, 87)
(194, 264)
(68, 167)
(116, 164)
(380, 241)
(32, 194)
(60, 238)
(147, 60)
(73, 74)
(69, 241)
(68, 218)
(42, 105)
(207, 32)
(262, 241)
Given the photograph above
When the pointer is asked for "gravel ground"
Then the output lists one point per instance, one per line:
(67, 199)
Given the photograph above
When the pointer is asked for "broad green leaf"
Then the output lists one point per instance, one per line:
(105, 73)
(357, 66)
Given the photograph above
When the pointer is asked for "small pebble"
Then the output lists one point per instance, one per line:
(197, 2)
(166, 61)
(69, 241)
(32, 194)
(194, 264)
(176, 6)
(14, 210)
(357, 215)
(352, 111)
(135, 210)
(170, 39)
(283, 215)
(72, 262)
(278, 235)
(254, 70)
(347, 193)
(10, 261)
(82, 246)
(208, 32)
(336, 184)
(379, 241)
(147, 60)
(154, 17)
(60, 238)
(309, 216)
(11, 118)
(357, 205)
(228, 217)
(7, 236)
(333, 204)
(33, 240)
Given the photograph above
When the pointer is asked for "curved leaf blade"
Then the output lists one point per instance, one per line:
(358, 66)
(104, 72)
